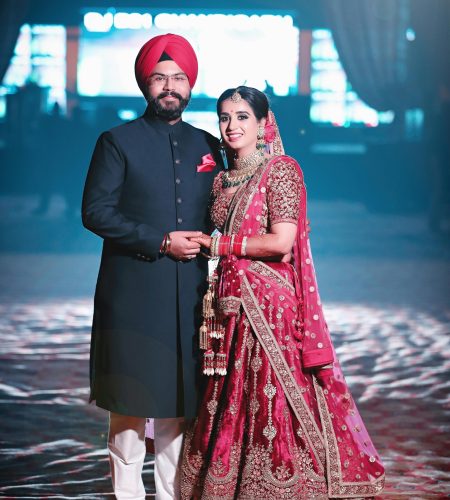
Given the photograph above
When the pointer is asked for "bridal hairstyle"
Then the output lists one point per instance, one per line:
(255, 98)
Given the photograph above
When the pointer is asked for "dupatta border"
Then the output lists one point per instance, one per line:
(337, 488)
(260, 267)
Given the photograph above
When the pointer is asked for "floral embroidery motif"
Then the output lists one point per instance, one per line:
(219, 202)
(260, 478)
(229, 305)
(283, 193)
(269, 430)
(264, 270)
(284, 375)
(337, 486)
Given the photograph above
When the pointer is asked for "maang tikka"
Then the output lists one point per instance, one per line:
(236, 97)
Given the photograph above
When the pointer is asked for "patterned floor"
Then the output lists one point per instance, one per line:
(52, 443)
(385, 283)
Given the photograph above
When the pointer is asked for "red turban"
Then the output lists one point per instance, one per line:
(176, 47)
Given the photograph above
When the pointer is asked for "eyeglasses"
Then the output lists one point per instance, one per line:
(159, 78)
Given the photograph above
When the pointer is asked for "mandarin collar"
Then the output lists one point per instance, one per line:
(162, 125)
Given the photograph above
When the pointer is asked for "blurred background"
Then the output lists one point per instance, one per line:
(361, 91)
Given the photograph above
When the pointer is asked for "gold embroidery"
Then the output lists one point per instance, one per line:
(283, 192)
(213, 403)
(259, 479)
(229, 305)
(336, 486)
(241, 202)
(254, 404)
(269, 431)
(263, 269)
(234, 406)
(219, 202)
(293, 394)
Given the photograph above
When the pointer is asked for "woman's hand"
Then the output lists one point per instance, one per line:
(204, 240)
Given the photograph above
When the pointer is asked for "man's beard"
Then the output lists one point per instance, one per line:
(173, 111)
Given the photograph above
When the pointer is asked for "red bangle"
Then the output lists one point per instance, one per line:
(237, 246)
(224, 245)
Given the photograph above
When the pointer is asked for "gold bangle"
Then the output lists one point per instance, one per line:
(244, 246)
(230, 250)
(212, 249)
(168, 243)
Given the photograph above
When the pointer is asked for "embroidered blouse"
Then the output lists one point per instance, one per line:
(281, 200)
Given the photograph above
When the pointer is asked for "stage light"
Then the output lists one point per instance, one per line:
(165, 21)
(127, 114)
(410, 35)
(233, 49)
(288, 21)
(89, 78)
(96, 22)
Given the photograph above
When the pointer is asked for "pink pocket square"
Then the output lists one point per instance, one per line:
(207, 164)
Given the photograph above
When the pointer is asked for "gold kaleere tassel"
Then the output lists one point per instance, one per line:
(208, 316)
(208, 310)
(204, 339)
(212, 329)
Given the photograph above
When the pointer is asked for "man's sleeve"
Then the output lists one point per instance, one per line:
(101, 197)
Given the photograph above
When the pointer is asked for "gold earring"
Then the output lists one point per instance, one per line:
(260, 142)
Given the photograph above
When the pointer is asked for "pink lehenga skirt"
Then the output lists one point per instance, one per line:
(270, 429)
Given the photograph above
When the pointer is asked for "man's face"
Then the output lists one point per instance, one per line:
(168, 90)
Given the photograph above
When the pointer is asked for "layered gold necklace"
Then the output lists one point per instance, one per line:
(244, 169)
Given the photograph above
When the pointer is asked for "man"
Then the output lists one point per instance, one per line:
(146, 194)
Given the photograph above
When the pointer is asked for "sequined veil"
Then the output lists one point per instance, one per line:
(275, 426)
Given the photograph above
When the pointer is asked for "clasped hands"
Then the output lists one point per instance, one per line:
(186, 245)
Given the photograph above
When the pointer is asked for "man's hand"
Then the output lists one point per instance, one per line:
(204, 240)
(181, 247)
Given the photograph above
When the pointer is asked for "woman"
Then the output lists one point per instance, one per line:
(277, 419)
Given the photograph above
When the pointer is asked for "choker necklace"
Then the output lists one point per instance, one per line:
(248, 161)
(244, 169)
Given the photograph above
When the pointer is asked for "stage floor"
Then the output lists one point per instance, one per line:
(390, 321)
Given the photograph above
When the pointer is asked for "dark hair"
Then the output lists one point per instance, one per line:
(255, 98)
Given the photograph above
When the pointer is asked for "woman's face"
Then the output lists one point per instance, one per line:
(239, 126)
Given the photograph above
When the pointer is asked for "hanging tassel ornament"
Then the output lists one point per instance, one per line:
(217, 331)
(223, 153)
(204, 340)
(221, 361)
(208, 362)
(212, 332)
(208, 308)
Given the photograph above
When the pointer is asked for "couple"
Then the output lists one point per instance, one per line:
(275, 417)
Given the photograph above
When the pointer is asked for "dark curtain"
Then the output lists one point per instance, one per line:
(430, 54)
(12, 15)
(370, 37)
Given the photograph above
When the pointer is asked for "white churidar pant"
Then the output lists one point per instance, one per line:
(126, 444)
